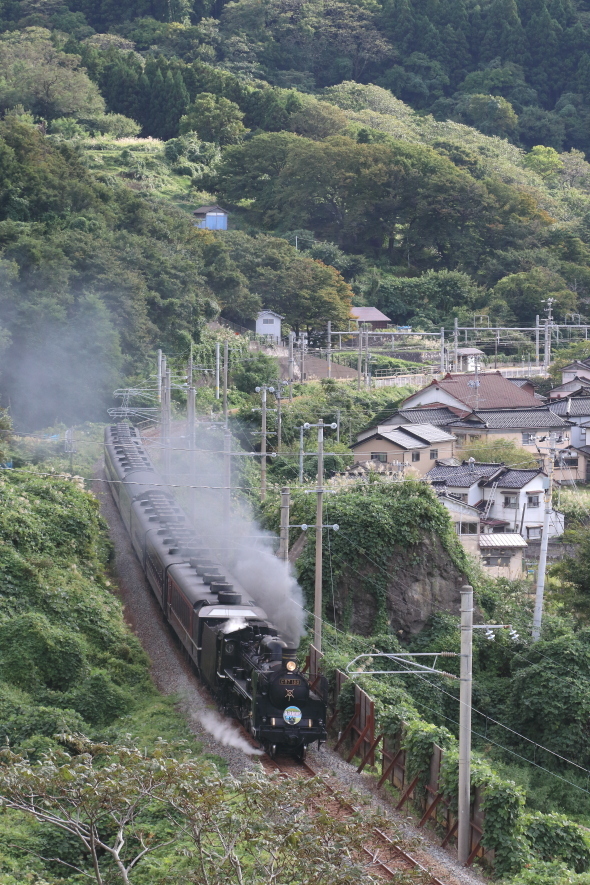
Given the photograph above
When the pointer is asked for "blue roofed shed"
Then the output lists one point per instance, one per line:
(211, 217)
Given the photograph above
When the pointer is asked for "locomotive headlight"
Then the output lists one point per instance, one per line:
(291, 665)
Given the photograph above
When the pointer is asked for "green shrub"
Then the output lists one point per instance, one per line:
(554, 837)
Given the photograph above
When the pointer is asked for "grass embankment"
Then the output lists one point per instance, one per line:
(68, 663)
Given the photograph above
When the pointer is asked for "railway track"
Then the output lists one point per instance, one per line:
(388, 859)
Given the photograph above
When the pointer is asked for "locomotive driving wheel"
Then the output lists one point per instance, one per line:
(300, 754)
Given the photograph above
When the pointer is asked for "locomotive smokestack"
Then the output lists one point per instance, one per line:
(289, 658)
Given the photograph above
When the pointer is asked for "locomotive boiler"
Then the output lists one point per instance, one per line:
(249, 668)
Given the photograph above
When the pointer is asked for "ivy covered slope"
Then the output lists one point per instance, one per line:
(393, 562)
(68, 663)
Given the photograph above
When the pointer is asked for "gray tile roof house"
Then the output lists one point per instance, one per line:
(464, 476)
(439, 416)
(485, 475)
(579, 407)
(513, 479)
(519, 418)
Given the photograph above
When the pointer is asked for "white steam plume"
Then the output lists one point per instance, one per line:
(242, 546)
(224, 732)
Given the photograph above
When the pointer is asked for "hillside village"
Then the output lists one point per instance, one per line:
(496, 509)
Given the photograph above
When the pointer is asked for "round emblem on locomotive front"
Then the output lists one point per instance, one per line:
(292, 715)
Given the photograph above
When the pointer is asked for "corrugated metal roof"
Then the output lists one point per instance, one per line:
(428, 432)
(400, 438)
(368, 315)
(531, 419)
(502, 539)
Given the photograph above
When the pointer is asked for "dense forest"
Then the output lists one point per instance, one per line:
(425, 159)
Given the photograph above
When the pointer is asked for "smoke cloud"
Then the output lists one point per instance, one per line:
(224, 732)
(243, 547)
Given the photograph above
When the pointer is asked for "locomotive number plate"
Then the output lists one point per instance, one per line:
(289, 681)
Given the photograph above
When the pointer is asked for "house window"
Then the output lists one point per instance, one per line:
(433, 454)
(474, 437)
(268, 322)
(510, 501)
(528, 439)
(583, 435)
(533, 532)
(497, 561)
(460, 440)
(498, 530)
(415, 456)
(379, 456)
(532, 500)
(570, 462)
(466, 528)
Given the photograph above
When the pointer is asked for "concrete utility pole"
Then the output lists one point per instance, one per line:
(442, 349)
(291, 364)
(464, 798)
(217, 370)
(284, 536)
(367, 360)
(538, 614)
(359, 364)
(226, 477)
(319, 519)
(548, 327)
(329, 353)
(225, 368)
(191, 434)
(159, 375)
(189, 368)
(456, 346)
(319, 527)
(168, 422)
(301, 455)
(537, 331)
(262, 390)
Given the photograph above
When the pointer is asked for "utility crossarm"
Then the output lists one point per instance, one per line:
(403, 658)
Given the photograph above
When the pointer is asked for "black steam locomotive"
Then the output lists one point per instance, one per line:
(237, 652)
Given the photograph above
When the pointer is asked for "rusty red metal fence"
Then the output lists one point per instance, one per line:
(360, 739)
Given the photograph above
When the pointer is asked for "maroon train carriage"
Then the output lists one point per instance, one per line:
(248, 667)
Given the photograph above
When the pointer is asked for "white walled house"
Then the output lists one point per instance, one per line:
(502, 555)
(509, 500)
(269, 323)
